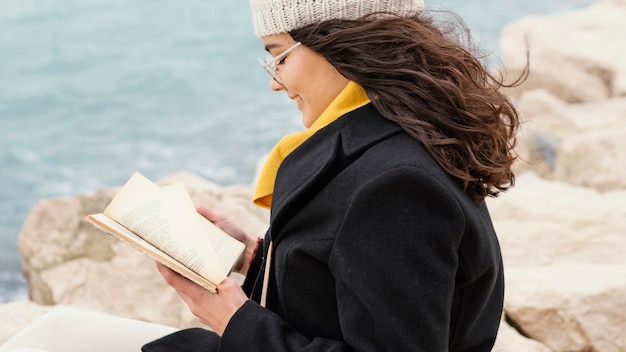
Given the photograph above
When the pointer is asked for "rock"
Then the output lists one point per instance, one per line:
(577, 56)
(579, 143)
(59, 222)
(547, 222)
(570, 307)
(539, 102)
(594, 159)
(565, 265)
(67, 261)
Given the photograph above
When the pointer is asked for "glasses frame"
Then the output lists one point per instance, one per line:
(268, 63)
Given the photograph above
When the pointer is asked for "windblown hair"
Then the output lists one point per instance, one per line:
(427, 78)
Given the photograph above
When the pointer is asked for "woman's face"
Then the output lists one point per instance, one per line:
(308, 79)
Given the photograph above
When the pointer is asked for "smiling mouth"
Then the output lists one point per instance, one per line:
(298, 101)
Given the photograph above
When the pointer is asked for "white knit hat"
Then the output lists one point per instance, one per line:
(280, 16)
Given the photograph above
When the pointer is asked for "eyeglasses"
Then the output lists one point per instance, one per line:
(270, 67)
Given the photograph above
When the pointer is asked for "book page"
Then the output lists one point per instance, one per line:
(166, 217)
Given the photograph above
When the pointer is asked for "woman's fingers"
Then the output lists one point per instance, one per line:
(172, 278)
(214, 310)
(211, 215)
(225, 224)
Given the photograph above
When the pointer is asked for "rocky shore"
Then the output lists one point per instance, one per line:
(562, 227)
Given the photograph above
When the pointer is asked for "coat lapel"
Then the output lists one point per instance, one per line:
(302, 168)
(353, 133)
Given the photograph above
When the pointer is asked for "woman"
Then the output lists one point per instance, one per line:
(379, 237)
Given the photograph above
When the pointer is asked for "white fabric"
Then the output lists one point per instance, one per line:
(281, 16)
(74, 330)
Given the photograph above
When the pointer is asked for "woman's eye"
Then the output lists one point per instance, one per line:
(281, 61)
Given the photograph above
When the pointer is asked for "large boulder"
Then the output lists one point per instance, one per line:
(577, 56)
(573, 104)
(580, 143)
(595, 159)
(565, 263)
(547, 222)
(570, 307)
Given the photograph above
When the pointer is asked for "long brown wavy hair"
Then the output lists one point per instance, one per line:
(426, 76)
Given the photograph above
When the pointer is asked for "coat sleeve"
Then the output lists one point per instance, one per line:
(394, 262)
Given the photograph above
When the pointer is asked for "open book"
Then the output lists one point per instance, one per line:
(162, 222)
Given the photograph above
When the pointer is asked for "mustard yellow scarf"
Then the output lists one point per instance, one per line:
(352, 97)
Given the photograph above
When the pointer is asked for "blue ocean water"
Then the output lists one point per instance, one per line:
(93, 90)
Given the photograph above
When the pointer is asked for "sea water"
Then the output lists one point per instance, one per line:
(93, 90)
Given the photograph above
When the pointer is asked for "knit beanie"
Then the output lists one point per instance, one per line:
(280, 16)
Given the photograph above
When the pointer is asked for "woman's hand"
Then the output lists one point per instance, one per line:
(224, 223)
(213, 309)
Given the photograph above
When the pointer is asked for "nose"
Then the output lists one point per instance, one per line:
(275, 86)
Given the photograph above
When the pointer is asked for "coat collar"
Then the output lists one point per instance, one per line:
(352, 134)
(352, 97)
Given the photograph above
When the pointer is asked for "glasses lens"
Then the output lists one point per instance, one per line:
(268, 65)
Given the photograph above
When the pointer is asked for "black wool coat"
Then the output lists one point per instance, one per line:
(376, 248)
